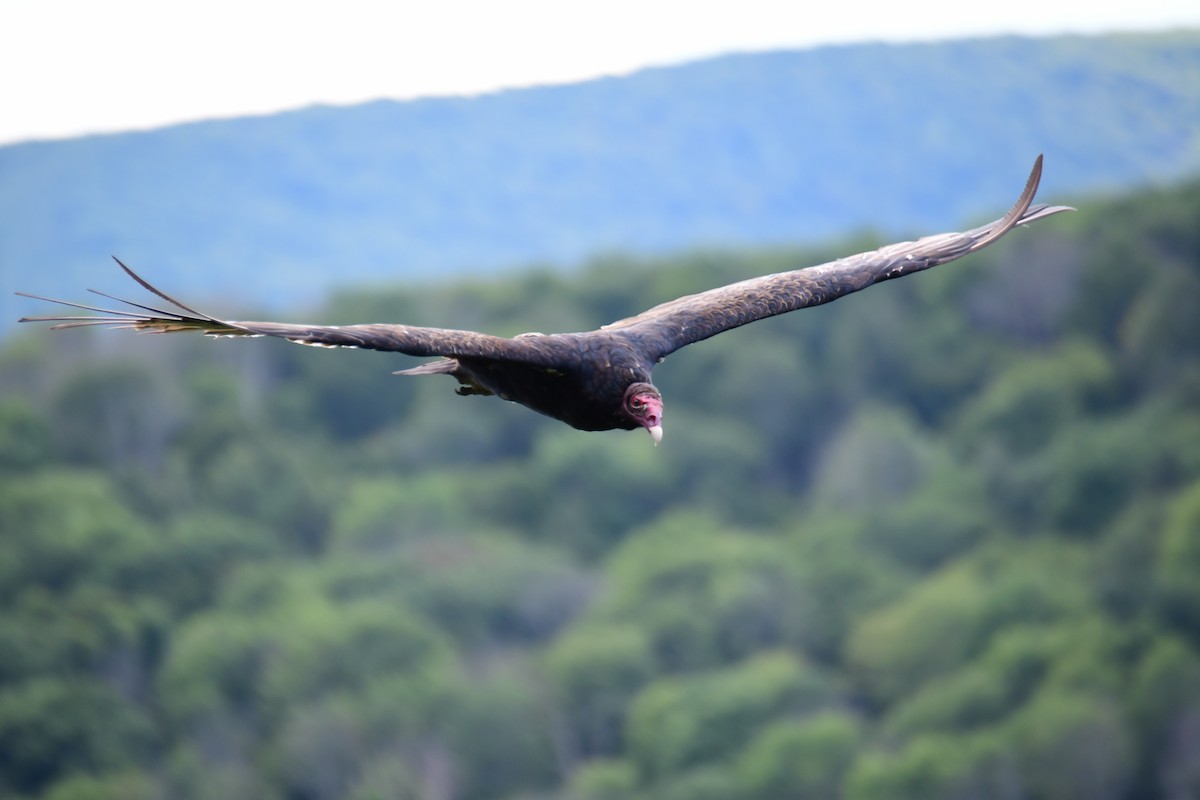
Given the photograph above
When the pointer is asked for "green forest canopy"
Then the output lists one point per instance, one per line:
(937, 540)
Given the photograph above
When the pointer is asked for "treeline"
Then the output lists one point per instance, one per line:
(937, 540)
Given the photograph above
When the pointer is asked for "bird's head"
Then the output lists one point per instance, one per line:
(643, 405)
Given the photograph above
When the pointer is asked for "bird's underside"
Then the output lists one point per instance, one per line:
(595, 380)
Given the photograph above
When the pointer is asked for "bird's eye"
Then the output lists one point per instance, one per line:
(637, 404)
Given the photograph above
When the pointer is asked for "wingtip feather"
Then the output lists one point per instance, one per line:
(146, 318)
(157, 292)
(1020, 213)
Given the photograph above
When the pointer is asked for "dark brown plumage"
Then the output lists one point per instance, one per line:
(598, 380)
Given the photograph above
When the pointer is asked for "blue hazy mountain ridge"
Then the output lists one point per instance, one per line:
(754, 149)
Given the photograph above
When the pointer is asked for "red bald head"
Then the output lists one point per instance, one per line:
(643, 405)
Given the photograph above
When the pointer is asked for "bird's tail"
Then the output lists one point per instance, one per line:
(449, 366)
(445, 366)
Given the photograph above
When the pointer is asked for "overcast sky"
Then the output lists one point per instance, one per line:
(79, 66)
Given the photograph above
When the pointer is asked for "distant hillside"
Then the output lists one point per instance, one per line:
(743, 149)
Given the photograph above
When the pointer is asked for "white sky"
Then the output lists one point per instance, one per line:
(70, 67)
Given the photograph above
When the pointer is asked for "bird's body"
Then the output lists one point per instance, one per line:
(583, 387)
(594, 380)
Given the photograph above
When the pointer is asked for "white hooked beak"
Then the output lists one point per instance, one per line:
(655, 433)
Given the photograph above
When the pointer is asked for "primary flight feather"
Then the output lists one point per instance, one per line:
(597, 380)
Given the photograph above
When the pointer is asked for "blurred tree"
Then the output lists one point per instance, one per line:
(1073, 747)
(943, 517)
(387, 778)
(705, 596)
(349, 394)
(116, 415)
(297, 504)
(184, 566)
(25, 437)
(800, 758)
(688, 720)
(714, 782)
(934, 767)
(843, 579)
(496, 728)
(949, 618)
(1022, 293)
(1165, 707)
(112, 786)
(1021, 663)
(55, 522)
(595, 672)
(875, 461)
(1179, 560)
(377, 514)
(1021, 410)
(217, 765)
(298, 647)
(1126, 558)
(482, 588)
(51, 728)
(576, 487)
(603, 779)
(984, 692)
(321, 750)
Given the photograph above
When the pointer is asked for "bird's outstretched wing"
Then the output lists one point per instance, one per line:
(413, 341)
(677, 323)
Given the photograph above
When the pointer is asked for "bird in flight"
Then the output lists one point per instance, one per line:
(597, 380)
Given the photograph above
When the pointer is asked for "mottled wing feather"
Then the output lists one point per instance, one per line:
(677, 323)
(407, 339)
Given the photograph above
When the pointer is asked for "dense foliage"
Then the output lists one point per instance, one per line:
(937, 540)
(751, 149)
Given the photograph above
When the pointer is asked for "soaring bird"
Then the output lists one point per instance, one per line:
(596, 380)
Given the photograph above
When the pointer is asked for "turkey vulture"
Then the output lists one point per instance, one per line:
(598, 380)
